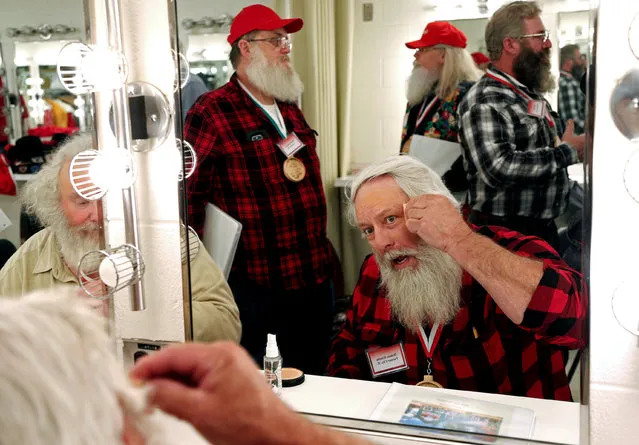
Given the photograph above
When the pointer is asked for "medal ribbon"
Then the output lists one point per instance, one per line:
(429, 342)
(521, 93)
(424, 110)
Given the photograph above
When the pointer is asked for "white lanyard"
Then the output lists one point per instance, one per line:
(279, 125)
(424, 111)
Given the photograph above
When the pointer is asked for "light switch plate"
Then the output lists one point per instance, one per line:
(367, 12)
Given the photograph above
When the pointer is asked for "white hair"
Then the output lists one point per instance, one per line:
(60, 382)
(41, 197)
(458, 67)
(411, 175)
(58, 379)
(41, 194)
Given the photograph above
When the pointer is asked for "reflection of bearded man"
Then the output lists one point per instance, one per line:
(42, 197)
(420, 83)
(533, 69)
(426, 294)
(76, 241)
(279, 80)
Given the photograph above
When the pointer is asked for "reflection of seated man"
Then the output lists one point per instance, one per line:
(507, 303)
(88, 400)
(51, 256)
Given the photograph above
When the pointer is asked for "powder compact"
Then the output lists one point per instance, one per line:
(292, 377)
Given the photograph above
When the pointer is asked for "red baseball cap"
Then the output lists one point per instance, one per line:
(439, 33)
(263, 18)
(480, 58)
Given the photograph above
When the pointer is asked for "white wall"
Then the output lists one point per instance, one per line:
(614, 352)
(381, 63)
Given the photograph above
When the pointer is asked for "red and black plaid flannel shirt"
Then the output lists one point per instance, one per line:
(283, 243)
(524, 360)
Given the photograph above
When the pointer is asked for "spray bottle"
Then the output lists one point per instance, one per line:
(273, 364)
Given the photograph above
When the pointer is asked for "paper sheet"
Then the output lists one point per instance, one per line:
(433, 408)
(435, 153)
(221, 236)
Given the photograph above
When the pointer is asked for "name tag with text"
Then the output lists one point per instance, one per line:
(290, 145)
(386, 360)
(537, 108)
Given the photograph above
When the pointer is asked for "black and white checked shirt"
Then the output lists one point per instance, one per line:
(513, 165)
(571, 101)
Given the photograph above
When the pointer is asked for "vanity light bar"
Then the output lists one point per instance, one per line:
(223, 21)
(44, 31)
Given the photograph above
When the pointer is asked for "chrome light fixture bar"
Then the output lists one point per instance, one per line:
(44, 31)
(122, 127)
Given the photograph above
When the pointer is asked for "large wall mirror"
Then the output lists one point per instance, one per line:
(365, 93)
(369, 52)
(42, 112)
(38, 111)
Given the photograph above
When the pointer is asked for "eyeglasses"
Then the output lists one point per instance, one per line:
(544, 36)
(279, 41)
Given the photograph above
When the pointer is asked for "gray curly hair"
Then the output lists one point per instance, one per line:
(413, 177)
(41, 195)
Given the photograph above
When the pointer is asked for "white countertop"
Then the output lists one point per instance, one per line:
(554, 421)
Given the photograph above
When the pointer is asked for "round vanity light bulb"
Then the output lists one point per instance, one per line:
(108, 272)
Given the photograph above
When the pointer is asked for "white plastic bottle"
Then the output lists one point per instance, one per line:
(273, 364)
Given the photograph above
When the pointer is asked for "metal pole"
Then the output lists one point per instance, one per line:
(122, 127)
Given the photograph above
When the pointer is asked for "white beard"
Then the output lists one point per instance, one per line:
(419, 84)
(278, 80)
(428, 293)
(75, 242)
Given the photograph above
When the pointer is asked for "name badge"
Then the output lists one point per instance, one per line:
(386, 360)
(290, 145)
(537, 108)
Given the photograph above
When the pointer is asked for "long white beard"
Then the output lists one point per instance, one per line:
(75, 242)
(278, 80)
(419, 84)
(428, 293)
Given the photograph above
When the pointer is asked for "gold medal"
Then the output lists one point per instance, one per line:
(429, 382)
(294, 169)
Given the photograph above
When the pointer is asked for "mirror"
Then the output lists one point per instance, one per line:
(203, 43)
(208, 58)
(39, 112)
(370, 54)
(31, 50)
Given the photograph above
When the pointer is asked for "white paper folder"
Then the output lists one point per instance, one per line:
(435, 153)
(221, 236)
